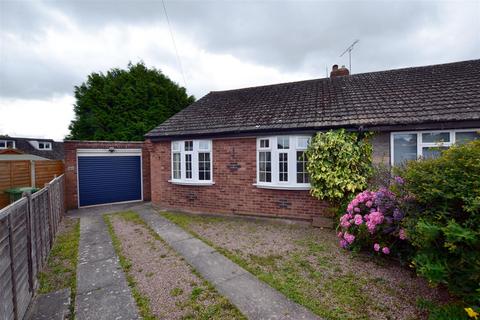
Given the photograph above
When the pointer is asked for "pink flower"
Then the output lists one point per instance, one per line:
(385, 250)
(376, 247)
(345, 224)
(356, 209)
(358, 219)
(344, 220)
(369, 203)
(349, 237)
(402, 234)
(354, 202)
(340, 235)
(343, 243)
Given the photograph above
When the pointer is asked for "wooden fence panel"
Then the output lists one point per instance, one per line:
(19, 255)
(15, 174)
(27, 230)
(6, 288)
(46, 170)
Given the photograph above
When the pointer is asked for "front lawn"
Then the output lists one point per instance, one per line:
(307, 265)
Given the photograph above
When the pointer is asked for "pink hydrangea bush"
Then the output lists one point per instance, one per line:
(373, 221)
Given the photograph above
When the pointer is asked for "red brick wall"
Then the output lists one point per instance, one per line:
(233, 191)
(71, 165)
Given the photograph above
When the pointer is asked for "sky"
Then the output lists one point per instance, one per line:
(49, 47)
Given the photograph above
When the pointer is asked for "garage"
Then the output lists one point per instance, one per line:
(109, 176)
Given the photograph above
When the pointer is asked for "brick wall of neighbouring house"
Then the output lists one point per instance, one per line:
(233, 191)
(71, 165)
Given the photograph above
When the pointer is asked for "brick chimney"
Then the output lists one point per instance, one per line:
(337, 72)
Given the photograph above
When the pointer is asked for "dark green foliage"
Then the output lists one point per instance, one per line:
(445, 228)
(449, 311)
(125, 104)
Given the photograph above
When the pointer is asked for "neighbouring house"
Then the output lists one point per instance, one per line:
(242, 151)
(14, 148)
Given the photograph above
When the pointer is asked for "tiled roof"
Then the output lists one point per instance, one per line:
(437, 93)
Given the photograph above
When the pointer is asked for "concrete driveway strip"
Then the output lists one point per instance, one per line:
(102, 289)
(254, 298)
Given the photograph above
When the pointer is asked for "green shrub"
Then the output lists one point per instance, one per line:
(339, 164)
(445, 228)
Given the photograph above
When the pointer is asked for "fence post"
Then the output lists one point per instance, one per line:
(49, 214)
(32, 173)
(12, 268)
(31, 276)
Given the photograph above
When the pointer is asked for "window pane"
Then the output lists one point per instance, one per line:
(283, 143)
(10, 144)
(283, 167)
(176, 146)
(204, 165)
(264, 143)
(265, 166)
(302, 143)
(302, 174)
(432, 152)
(203, 145)
(435, 137)
(3, 144)
(188, 145)
(188, 166)
(464, 137)
(176, 166)
(404, 148)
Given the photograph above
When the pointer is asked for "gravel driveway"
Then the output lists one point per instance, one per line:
(173, 289)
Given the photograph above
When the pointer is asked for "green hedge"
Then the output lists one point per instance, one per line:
(445, 227)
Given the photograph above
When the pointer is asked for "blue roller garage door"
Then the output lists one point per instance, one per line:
(109, 179)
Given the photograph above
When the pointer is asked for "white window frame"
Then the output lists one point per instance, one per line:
(5, 142)
(194, 180)
(291, 183)
(421, 144)
(44, 145)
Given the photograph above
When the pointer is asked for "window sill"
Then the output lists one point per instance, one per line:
(191, 183)
(280, 187)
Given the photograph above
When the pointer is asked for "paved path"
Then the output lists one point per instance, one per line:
(254, 298)
(51, 306)
(102, 290)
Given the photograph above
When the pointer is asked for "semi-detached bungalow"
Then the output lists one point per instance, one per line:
(242, 151)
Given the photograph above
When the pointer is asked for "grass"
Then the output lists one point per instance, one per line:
(60, 271)
(324, 288)
(220, 308)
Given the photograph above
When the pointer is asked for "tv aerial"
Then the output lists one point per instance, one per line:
(349, 50)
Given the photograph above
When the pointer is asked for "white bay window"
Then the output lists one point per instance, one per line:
(192, 162)
(407, 146)
(281, 162)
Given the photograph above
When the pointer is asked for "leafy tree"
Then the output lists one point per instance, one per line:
(125, 104)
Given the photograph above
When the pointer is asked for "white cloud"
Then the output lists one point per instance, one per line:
(46, 48)
(46, 118)
(114, 46)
